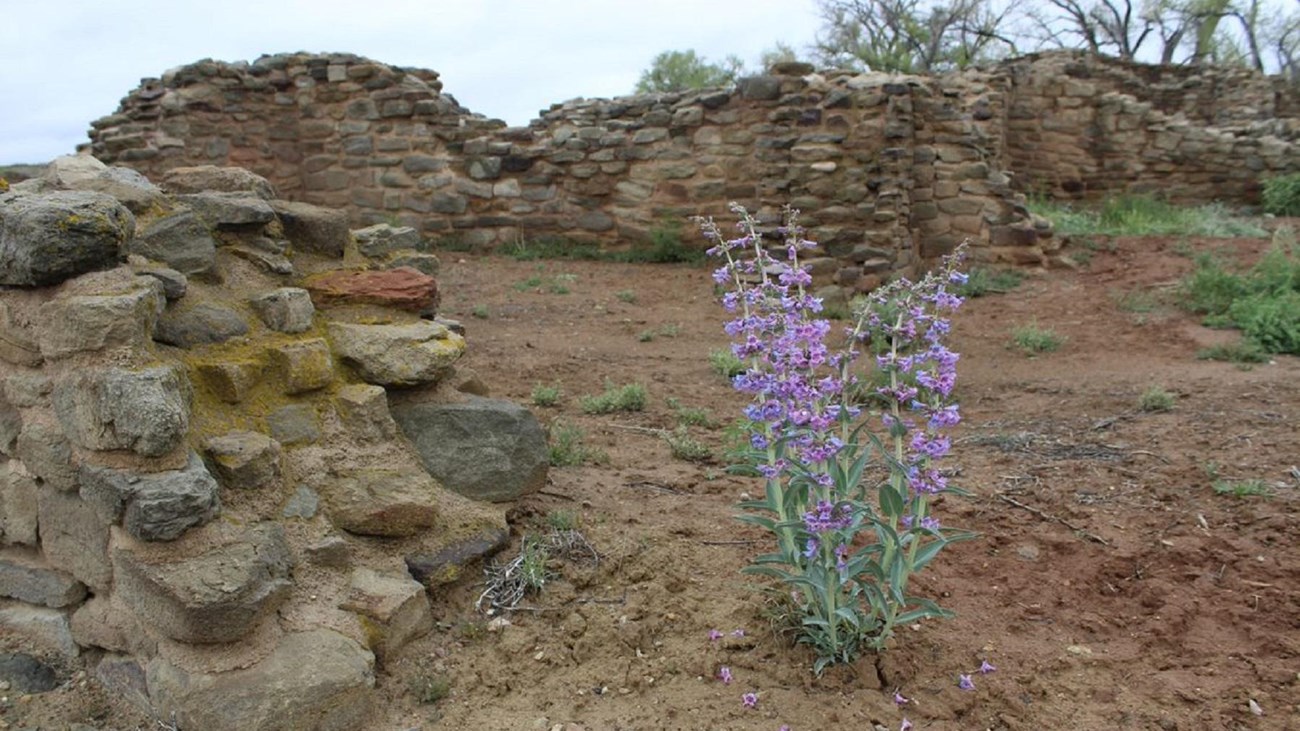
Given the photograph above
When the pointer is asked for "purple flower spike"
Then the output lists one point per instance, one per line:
(965, 683)
(900, 699)
(737, 633)
(724, 674)
(750, 700)
(905, 726)
(714, 635)
(987, 667)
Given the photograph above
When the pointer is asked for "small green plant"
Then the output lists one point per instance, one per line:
(666, 246)
(532, 566)
(562, 520)
(984, 281)
(685, 447)
(1245, 352)
(671, 330)
(1083, 257)
(1144, 215)
(626, 295)
(1034, 340)
(1138, 301)
(532, 282)
(1263, 302)
(1156, 399)
(1282, 195)
(561, 283)
(689, 415)
(631, 397)
(645, 336)
(1241, 488)
(567, 449)
(471, 630)
(481, 312)
(551, 247)
(428, 688)
(544, 395)
(725, 363)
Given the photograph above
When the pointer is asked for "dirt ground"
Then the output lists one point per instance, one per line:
(1111, 585)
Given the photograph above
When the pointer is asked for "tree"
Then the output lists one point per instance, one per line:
(911, 35)
(682, 70)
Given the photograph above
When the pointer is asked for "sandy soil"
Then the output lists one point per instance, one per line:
(1110, 585)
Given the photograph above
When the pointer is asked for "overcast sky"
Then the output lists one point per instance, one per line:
(64, 63)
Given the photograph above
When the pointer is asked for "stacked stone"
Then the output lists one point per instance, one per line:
(194, 413)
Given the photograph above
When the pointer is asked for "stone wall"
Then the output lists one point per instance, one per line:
(234, 443)
(891, 171)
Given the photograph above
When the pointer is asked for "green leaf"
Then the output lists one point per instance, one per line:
(926, 553)
(890, 501)
(758, 520)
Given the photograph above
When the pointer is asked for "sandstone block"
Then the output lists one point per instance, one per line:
(379, 502)
(50, 237)
(25, 577)
(315, 229)
(200, 324)
(47, 629)
(146, 411)
(402, 288)
(157, 506)
(363, 408)
(446, 564)
(75, 538)
(229, 209)
(294, 424)
(244, 460)
(231, 381)
(203, 178)
(19, 510)
(17, 344)
(81, 323)
(382, 239)
(180, 240)
(306, 365)
(394, 610)
(397, 355)
(286, 310)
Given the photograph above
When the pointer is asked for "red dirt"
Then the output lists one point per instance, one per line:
(1110, 585)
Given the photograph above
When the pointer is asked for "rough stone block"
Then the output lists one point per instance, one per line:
(397, 355)
(380, 502)
(50, 237)
(294, 424)
(157, 506)
(146, 411)
(200, 324)
(180, 240)
(81, 323)
(244, 460)
(306, 365)
(25, 577)
(393, 610)
(315, 229)
(231, 381)
(19, 511)
(286, 310)
(47, 629)
(363, 408)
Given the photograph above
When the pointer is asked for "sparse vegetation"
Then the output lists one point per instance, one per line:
(1263, 302)
(631, 397)
(1245, 352)
(562, 520)
(1282, 195)
(1155, 399)
(1241, 488)
(1138, 301)
(428, 688)
(982, 281)
(626, 295)
(671, 330)
(726, 364)
(567, 449)
(1139, 215)
(544, 395)
(690, 416)
(685, 447)
(481, 312)
(1033, 339)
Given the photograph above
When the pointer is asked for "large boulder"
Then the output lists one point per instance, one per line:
(313, 681)
(218, 596)
(313, 228)
(157, 506)
(397, 355)
(47, 238)
(403, 288)
(181, 240)
(380, 502)
(203, 178)
(486, 449)
(146, 411)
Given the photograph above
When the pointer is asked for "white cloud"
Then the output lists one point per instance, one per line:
(64, 63)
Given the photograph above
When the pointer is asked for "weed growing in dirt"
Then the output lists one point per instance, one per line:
(1263, 301)
(1140, 215)
(561, 283)
(845, 552)
(481, 312)
(690, 415)
(532, 282)
(1156, 399)
(1246, 352)
(1139, 301)
(631, 397)
(1034, 340)
(686, 447)
(544, 395)
(1282, 195)
(1241, 488)
(726, 364)
(429, 689)
(562, 520)
(567, 450)
(984, 281)
(670, 330)
(626, 295)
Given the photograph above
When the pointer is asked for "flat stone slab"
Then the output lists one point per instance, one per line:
(157, 506)
(403, 288)
(397, 355)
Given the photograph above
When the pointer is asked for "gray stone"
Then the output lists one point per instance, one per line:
(203, 178)
(302, 504)
(157, 506)
(47, 238)
(174, 284)
(124, 677)
(397, 610)
(313, 228)
(760, 88)
(397, 355)
(17, 346)
(424, 263)
(26, 389)
(24, 576)
(595, 221)
(47, 629)
(330, 551)
(294, 424)
(485, 449)
(380, 502)
(363, 408)
(448, 563)
(23, 673)
(200, 324)
(47, 454)
(244, 460)
(229, 209)
(146, 411)
(19, 511)
(82, 172)
(67, 171)
(75, 538)
(286, 310)
(317, 680)
(180, 240)
(485, 168)
(81, 323)
(382, 239)
(107, 623)
(218, 596)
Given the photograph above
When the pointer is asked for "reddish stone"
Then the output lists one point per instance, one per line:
(404, 288)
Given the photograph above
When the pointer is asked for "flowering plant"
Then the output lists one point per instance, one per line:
(846, 548)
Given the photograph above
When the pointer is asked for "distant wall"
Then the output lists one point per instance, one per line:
(891, 171)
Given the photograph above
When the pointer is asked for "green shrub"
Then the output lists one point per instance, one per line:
(982, 281)
(1241, 488)
(726, 364)
(1033, 339)
(631, 397)
(429, 689)
(690, 415)
(544, 395)
(685, 447)
(567, 450)
(1282, 195)
(1156, 399)
(1245, 352)
(626, 295)
(1263, 302)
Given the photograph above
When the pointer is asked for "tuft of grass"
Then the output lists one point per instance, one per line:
(1138, 301)
(428, 688)
(1245, 352)
(1263, 301)
(631, 397)
(982, 281)
(560, 283)
(481, 312)
(726, 364)
(666, 247)
(626, 295)
(1282, 195)
(1156, 399)
(561, 521)
(532, 566)
(532, 282)
(689, 415)
(670, 330)
(685, 447)
(551, 247)
(544, 395)
(1241, 488)
(567, 449)
(1034, 340)
(1144, 215)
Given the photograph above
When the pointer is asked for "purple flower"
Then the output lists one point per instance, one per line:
(965, 683)
(714, 635)
(986, 667)
(724, 674)
(750, 700)
(737, 633)
(905, 726)
(784, 727)
(899, 699)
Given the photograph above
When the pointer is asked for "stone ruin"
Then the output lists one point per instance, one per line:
(234, 443)
(890, 171)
